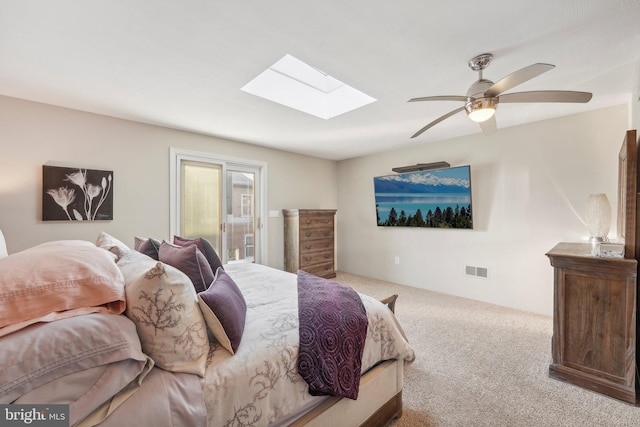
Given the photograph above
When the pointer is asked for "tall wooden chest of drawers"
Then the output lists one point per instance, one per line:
(309, 242)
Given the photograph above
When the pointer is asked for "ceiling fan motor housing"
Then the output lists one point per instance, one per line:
(477, 89)
(477, 102)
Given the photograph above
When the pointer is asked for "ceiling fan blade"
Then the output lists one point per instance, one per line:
(547, 96)
(440, 98)
(438, 120)
(516, 78)
(489, 126)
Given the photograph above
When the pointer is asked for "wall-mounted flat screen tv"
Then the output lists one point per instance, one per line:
(434, 199)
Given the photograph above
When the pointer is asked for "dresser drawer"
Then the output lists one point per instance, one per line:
(313, 258)
(317, 221)
(315, 233)
(322, 270)
(316, 245)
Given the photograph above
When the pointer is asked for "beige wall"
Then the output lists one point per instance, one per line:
(33, 134)
(635, 101)
(530, 184)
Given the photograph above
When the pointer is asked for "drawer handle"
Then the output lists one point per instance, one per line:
(308, 234)
(308, 247)
(308, 258)
(308, 222)
(326, 221)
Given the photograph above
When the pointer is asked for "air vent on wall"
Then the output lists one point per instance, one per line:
(481, 272)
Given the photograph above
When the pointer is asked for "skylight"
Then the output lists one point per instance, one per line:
(295, 84)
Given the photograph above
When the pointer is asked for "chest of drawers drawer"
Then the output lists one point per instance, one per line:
(312, 258)
(311, 222)
(323, 270)
(310, 234)
(316, 245)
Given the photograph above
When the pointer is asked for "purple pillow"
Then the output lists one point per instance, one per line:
(190, 261)
(149, 247)
(224, 310)
(205, 247)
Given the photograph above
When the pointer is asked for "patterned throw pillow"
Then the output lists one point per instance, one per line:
(224, 309)
(162, 302)
(205, 247)
(190, 261)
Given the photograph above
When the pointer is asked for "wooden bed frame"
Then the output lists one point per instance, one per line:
(379, 401)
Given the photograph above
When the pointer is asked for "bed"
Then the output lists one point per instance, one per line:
(119, 337)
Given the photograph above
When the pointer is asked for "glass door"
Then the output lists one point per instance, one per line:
(200, 204)
(220, 199)
(241, 219)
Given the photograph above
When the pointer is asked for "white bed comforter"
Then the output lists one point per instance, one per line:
(260, 385)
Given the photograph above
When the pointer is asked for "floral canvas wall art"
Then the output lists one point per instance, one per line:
(76, 194)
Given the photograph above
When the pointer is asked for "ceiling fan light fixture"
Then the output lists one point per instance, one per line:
(482, 109)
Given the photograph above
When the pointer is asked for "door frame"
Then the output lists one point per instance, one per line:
(176, 155)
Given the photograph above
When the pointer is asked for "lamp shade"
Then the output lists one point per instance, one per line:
(598, 217)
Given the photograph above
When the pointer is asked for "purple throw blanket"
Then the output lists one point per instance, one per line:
(333, 329)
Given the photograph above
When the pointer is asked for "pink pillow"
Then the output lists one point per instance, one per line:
(57, 280)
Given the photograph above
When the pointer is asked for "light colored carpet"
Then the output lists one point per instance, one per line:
(479, 364)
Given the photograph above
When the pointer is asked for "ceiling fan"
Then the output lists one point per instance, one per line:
(483, 96)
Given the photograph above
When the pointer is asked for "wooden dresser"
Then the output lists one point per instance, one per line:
(309, 242)
(594, 321)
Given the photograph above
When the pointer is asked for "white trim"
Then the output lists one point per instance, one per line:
(3, 246)
(176, 155)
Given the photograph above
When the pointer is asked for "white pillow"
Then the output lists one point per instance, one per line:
(3, 246)
(113, 245)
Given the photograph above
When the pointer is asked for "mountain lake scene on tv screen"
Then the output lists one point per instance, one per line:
(433, 199)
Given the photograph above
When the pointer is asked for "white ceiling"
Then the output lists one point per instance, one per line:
(181, 64)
